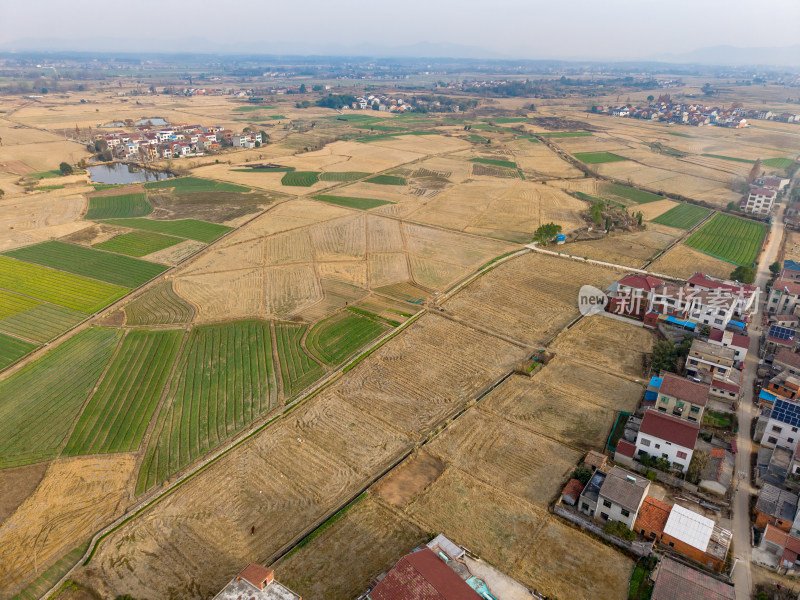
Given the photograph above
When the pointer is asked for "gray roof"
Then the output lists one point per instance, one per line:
(592, 488)
(675, 580)
(713, 350)
(719, 469)
(237, 590)
(776, 502)
(625, 488)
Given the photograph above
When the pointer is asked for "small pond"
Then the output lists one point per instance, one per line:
(121, 173)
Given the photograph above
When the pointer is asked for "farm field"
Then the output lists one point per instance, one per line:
(629, 249)
(41, 322)
(342, 175)
(300, 178)
(138, 243)
(387, 180)
(361, 203)
(735, 240)
(224, 379)
(298, 369)
(683, 262)
(778, 163)
(63, 289)
(40, 402)
(110, 207)
(596, 158)
(192, 229)
(495, 162)
(683, 216)
(78, 260)
(342, 335)
(628, 193)
(38, 217)
(189, 185)
(12, 349)
(118, 413)
(158, 306)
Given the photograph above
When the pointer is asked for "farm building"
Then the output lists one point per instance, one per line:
(785, 547)
(728, 339)
(571, 492)
(775, 507)
(256, 583)
(652, 518)
(679, 396)
(784, 296)
(696, 537)
(708, 361)
(621, 496)
(676, 580)
(717, 475)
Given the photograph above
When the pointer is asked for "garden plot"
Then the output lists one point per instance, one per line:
(629, 249)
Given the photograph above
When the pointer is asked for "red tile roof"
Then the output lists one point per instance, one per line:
(573, 489)
(653, 515)
(725, 385)
(683, 389)
(422, 576)
(625, 448)
(669, 428)
(676, 580)
(786, 285)
(641, 282)
(737, 339)
(703, 281)
(256, 575)
(788, 357)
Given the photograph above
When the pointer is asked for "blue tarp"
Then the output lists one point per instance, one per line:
(561, 237)
(738, 324)
(651, 396)
(765, 395)
(656, 381)
(686, 324)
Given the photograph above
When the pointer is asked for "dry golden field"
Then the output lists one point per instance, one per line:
(630, 249)
(682, 261)
(38, 217)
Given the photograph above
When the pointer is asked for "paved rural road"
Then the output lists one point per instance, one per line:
(742, 576)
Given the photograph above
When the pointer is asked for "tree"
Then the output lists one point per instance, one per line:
(639, 217)
(303, 88)
(582, 474)
(743, 274)
(65, 168)
(597, 213)
(546, 233)
(755, 171)
(732, 206)
(775, 267)
(650, 98)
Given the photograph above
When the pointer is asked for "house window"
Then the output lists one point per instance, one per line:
(658, 446)
(664, 455)
(585, 506)
(772, 440)
(664, 399)
(777, 429)
(791, 440)
(607, 503)
(644, 442)
(718, 321)
(794, 429)
(681, 455)
(671, 545)
(626, 512)
(694, 409)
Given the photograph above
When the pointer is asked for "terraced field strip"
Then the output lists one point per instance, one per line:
(386, 180)
(730, 158)
(778, 163)
(42, 584)
(495, 162)
(117, 416)
(126, 205)
(79, 260)
(11, 304)
(361, 203)
(192, 229)
(342, 335)
(728, 238)
(12, 349)
(138, 243)
(188, 185)
(42, 322)
(683, 216)
(225, 378)
(343, 175)
(39, 403)
(629, 193)
(64, 289)
(159, 305)
(298, 369)
(300, 178)
(597, 158)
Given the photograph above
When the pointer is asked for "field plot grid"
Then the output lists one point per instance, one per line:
(42, 322)
(12, 348)
(39, 403)
(159, 305)
(118, 413)
(728, 238)
(225, 378)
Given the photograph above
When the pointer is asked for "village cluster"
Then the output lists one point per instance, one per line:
(148, 143)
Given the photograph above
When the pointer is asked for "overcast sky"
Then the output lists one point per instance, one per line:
(604, 29)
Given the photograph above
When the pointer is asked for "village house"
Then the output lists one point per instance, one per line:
(784, 296)
(759, 201)
(775, 507)
(668, 437)
(652, 518)
(709, 361)
(784, 546)
(728, 339)
(696, 537)
(682, 398)
(587, 503)
(620, 496)
(772, 465)
(787, 320)
(783, 425)
(717, 475)
(255, 582)
(675, 580)
(727, 391)
(745, 294)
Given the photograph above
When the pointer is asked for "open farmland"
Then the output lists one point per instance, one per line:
(728, 238)
(119, 412)
(111, 268)
(159, 305)
(682, 216)
(342, 335)
(191, 229)
(41, 322)
(631, 249)
(138, 243)
(110, 207)
(189, 185)
(300, 178)
(298, 369)
(225, 378)
(596, 158)
(12, 349)
(682, 261)
(627, 192)
(340, 176)
(60, 288)
(387, 180)
(39, 403)
(510, 164)
(361, 203)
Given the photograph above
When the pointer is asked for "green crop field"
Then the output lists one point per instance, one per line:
(39, 587)
(192, 229)
(44, 175)
(503, 120)
(111, 207)
(683, 216)
(42, 322)
(362, 203)
(732, 239)
(629, 193)
(374, 127)
(388, 136)
(50, 187)
(494, 161)
(265, 170)
(342, 175)
(111, 268)
(40, 402)
(138, 243)
(12, 349)
(387, 180)
(342, 335)
(117, 415)
(596, 158)
(564, 134)
(300, 178)
(359, 118)
(778, 163)
(224, 379)
(159, 305)
(11, 304)
(676, 134)
(474, 137)
(252, 108)
(187, 185)
(730, 158)
(64, 289)
(298, 369)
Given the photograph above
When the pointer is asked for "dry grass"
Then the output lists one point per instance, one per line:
(39, 217)
(629, 249)
(682, 261)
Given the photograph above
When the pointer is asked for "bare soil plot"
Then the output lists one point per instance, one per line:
(540, 160)
(39, 217)
(176, 253)
(225, 207)
(403, 483)
(682, 261)
(531, 297)
(17, 484)
(651, 210)
(73, 500)
(370, 535)
(43, 156)
(95, 233)
(791, 245)
(630, 249)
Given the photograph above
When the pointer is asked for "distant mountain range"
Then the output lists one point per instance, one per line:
(788, 56)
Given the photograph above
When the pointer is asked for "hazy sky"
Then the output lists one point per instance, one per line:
(512, 28)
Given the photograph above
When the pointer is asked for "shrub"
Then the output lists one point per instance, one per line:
(620, 530)
(65, 168)
(582, 474)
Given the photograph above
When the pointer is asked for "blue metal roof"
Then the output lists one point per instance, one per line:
(656, 381)
(765, 395)
(792, 265)
(690, 324)
(786, 412)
